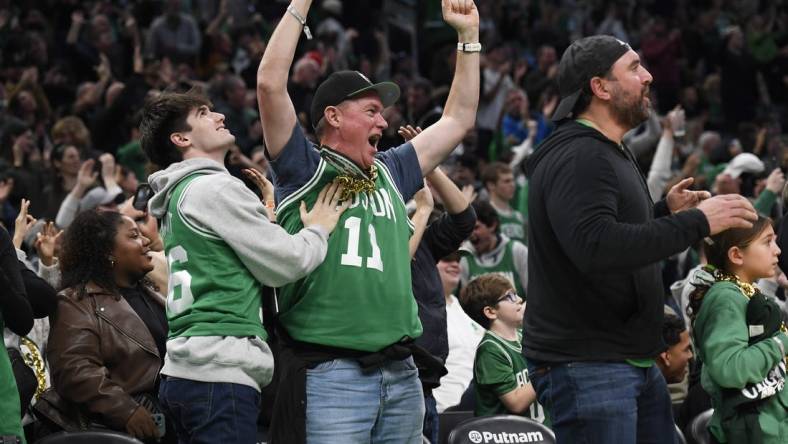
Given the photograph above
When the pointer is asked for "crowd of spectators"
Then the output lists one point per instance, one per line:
(74, 76)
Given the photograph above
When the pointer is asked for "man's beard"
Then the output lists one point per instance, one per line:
(628, 113)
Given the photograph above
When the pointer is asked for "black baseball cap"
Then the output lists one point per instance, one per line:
(585, 59)
(344, 85)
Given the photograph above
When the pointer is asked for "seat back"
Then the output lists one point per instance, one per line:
(88, 437)
(501, 428)
(699, 427)
(448, 420)
(680, 436)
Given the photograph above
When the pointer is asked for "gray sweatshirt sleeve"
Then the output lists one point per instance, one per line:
(51, 273)
(222, 205)
(659, 174)
(67, 212)
(520, 253)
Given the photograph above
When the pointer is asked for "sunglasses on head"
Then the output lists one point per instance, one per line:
(510, 296)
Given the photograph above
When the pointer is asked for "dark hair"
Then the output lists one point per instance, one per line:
(163, 115)
(87, 246)
(716, 250)
(493, 172)
(484, 291)
(672, 326)
(60, 149)
(584, 100)
(11, 129)
(486, 214)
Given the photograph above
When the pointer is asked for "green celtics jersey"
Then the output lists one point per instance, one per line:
(10, 422)
(499, 368)
(512, 225)
(360, 298)
(210, 291)
(505, 267)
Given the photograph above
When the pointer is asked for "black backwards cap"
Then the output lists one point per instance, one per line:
(344, 85)
(584, 59)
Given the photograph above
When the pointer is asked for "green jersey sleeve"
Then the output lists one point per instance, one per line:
(494, 369)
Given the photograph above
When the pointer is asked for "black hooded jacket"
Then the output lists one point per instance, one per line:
(595, 242)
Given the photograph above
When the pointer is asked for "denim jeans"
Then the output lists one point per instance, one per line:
(604, 402)
(346, 405)
(431, 419)
(210, 412)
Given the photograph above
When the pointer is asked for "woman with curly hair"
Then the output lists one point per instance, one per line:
(741, 338)
(107, 339)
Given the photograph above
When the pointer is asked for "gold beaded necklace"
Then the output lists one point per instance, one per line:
(354, 179)
(34, 360)
(747, 289)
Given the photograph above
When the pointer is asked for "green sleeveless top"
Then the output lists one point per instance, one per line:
(499, 368)
(512, 225)
(210, 291)
(505, 267)
(360, 297)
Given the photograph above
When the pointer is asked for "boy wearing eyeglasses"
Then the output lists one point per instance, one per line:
(499, 370)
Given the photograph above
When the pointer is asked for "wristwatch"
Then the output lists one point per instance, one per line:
(469, 47)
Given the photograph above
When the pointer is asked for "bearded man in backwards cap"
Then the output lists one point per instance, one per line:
(593, 324)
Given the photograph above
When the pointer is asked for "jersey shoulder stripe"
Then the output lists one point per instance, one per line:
(382, 166)
(304, 189)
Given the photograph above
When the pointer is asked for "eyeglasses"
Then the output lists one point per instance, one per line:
(510, 296)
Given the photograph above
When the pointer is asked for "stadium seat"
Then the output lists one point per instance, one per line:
(501, 428)
(448, 420)
(88, 437)
(680, 436)
(699, 427)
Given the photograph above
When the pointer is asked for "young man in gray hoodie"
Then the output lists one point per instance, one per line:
(221, 249)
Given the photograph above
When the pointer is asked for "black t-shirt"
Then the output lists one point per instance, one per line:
(151, 313)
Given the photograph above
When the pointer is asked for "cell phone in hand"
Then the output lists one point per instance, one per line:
(141, 197)
(158, 419)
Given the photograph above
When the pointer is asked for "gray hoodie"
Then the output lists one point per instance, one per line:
(221, 204)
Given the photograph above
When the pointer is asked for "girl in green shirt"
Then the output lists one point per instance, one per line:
(740, 337)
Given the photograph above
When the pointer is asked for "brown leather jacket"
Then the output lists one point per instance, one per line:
(100, 353)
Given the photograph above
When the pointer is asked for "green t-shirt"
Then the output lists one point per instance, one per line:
(360, 297)
(505, 267)
(512, 225)
(211, 292)
(10, 421)
(498, 369)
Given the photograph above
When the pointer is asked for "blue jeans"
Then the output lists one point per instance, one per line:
(431, 420)
(599, 402)
(346, 405)
(210, 412)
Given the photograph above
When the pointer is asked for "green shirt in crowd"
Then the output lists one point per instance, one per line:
(512, 224)
(360, 297)
(10, 419)
(498, 369)
(722, 337)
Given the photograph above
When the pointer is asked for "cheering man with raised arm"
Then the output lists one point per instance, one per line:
(348, 327)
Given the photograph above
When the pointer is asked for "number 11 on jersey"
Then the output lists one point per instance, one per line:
(353, 225)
